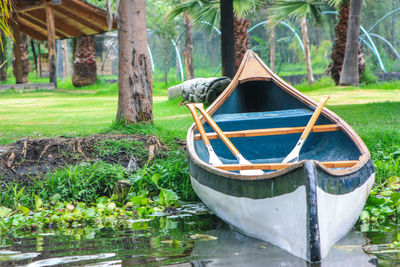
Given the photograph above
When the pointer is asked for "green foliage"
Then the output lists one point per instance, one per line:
(383, 204)
(368, 77)
(83, 182)
(170, 172)
(114, 148)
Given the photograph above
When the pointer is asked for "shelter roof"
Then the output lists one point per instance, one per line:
(72, 18)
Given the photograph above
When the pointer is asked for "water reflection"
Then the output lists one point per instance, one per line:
(234, 249)
(193, 237)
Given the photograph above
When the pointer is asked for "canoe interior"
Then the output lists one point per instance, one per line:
(263, 104)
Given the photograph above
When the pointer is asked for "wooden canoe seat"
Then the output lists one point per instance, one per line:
(264, 120)
(278, 166)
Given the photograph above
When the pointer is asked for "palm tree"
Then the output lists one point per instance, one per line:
(209, 11)
(84, 69)
(300, 11)
(348, 62)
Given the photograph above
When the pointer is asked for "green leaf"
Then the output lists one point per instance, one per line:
(395, 196)
(167, 197)
(54, 199)
(393, 180)
(38, 203)
(376, 201)
(155, 178)
(4, 212)
(24, 210)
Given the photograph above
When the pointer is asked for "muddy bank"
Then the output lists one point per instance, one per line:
(30, 158)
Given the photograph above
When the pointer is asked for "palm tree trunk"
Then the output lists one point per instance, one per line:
(84, 69)
(241, 37)
(339, 46)
(272, 48)
(306, 44)
(3, 58)
(227, 39)
(350, 73)
(21, 65)
(135, 103)
(188, 52)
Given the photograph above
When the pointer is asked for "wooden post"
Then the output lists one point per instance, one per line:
(65, 58)
(51, 39)
(34, 56)
(40, 60)
(17, 55)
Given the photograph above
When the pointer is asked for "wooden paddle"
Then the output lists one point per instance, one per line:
(213, 158)
(227, 142)
(293, 156)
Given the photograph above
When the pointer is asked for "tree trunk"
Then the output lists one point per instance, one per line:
(272, 48)
(188, 52)
(3, 58)
(135, 102)
(339, 47)
(21, 65)
(350, 74)
(227, 39)
(306, 44)
(241, 37)
(84, 70)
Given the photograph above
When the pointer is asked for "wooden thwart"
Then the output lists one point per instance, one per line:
(278, 166)
(272, 131)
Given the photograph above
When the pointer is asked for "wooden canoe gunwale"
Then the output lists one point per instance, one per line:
(241, 77)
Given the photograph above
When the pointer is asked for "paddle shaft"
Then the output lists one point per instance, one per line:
(213, 158)
(218, 130)
(199, 125)
(314, 118)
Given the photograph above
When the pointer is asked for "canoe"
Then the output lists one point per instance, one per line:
(303, 207)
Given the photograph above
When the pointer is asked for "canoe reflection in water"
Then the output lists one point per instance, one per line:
(234, 249)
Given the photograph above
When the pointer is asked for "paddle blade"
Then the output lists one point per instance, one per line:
(244, 161)
(213, 158)
(293, 156)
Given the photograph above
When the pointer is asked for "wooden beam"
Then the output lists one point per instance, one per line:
(278, 166)
(95, 14)
(39, 19)
(51, 34)
(31, 32)
(272, 131)
(79, 18)
(36, 28)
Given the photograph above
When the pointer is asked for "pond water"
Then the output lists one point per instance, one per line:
(191, 237)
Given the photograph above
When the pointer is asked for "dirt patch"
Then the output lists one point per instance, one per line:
(30, 158)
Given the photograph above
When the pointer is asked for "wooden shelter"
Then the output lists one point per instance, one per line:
(58, 19)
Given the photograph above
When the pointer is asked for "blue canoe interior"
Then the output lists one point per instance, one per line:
(264, 105)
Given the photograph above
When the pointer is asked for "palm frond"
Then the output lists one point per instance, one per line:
(6, 9)
(294, 9)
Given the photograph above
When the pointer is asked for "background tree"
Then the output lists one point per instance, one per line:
(188, 52)
(165, 29)
(135, 102)
(84, 69)
(3, 59)
(350, 74)
(210, 12)
(339, 46)
(300, 11)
